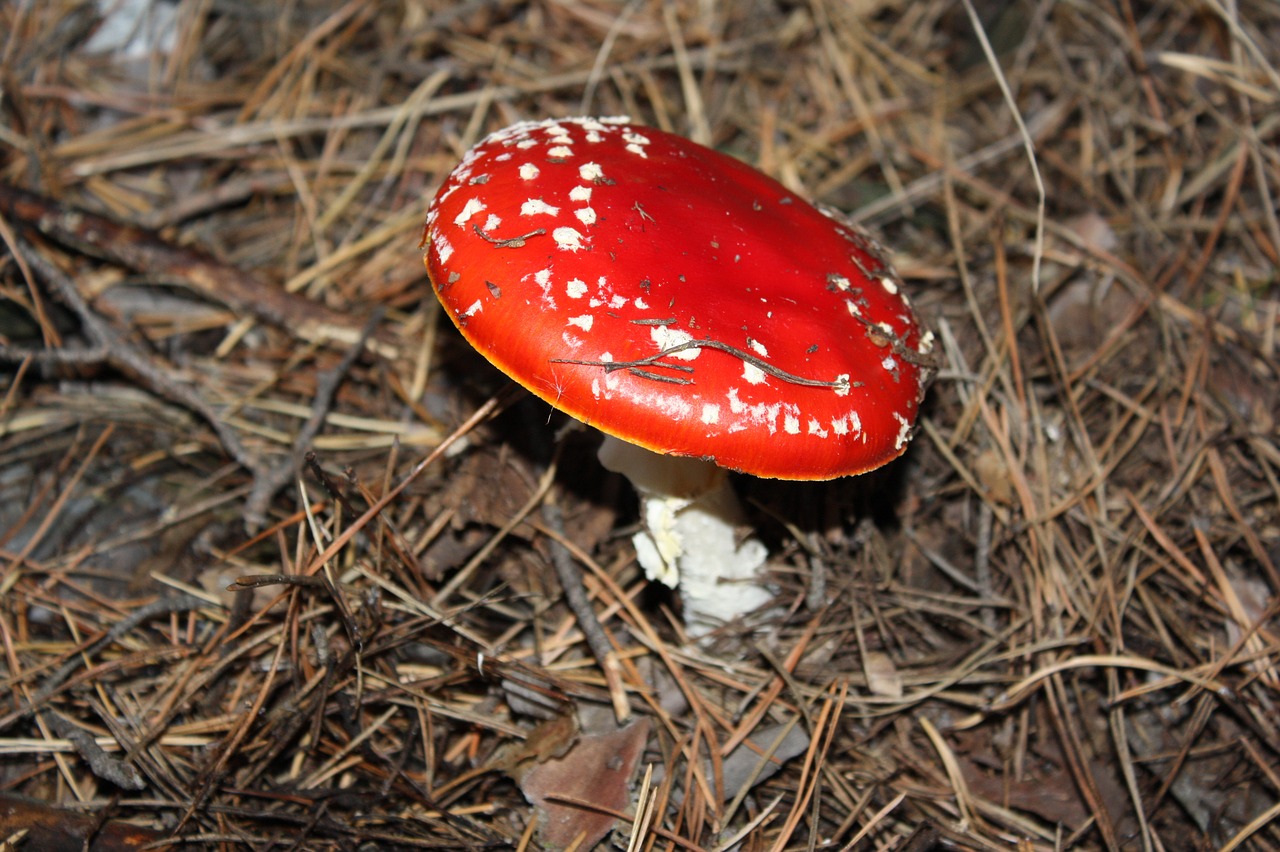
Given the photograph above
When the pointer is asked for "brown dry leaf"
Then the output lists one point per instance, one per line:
(882, 674)
(597, 771)
(993, 473)
(489, 486)
(548, 740)
(61, 830)
(1084, 312)
(1049, 795)
(1093, 230)
(761, 756)
(1243, 394)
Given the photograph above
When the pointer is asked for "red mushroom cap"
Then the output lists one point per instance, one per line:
(678, 299)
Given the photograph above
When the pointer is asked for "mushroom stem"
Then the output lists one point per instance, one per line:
(692, 521)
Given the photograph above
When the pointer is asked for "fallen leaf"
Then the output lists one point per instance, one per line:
(550, 739)
(53, 829)
(743, 765)
(882, 674)
(576, 794)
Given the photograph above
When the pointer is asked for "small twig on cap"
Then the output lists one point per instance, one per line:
(512, 242)
(706, 343)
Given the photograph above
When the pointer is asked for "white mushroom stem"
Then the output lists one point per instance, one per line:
(692, 523)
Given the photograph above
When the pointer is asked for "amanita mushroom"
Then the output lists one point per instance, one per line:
(689, 307)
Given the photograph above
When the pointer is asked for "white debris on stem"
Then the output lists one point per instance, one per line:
(691, 538)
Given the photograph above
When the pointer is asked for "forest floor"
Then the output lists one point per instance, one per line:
(1053, 624)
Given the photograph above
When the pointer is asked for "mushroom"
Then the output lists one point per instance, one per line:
(697, 312)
